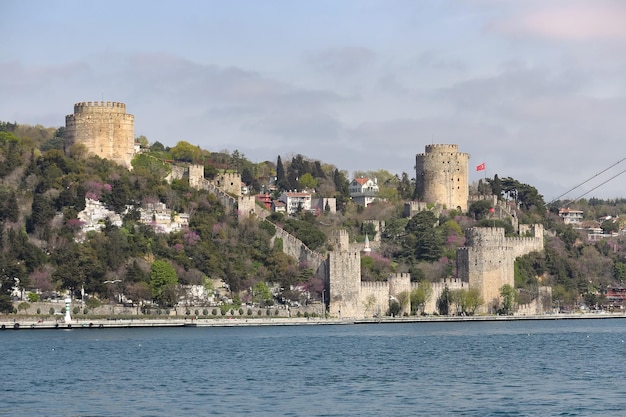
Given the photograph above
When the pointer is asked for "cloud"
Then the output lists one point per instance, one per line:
(568, 20)
(341, 61)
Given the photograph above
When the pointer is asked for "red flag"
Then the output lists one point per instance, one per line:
(492, 210)
(480, 167)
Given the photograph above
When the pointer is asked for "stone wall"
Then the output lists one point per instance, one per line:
(105, 129)
(295, 248)
(487, 260)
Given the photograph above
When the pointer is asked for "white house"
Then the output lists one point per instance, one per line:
(363, 190)
(296, 201)
(571, 216)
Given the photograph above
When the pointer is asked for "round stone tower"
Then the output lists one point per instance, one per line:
(104, 128)
(442, 176)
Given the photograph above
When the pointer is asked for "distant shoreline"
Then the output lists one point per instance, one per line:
(34, 324)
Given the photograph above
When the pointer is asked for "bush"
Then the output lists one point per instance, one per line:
(187, 312)
(241, 311)
(76, 310)
(267, 312)
(299, 314)
(196, 312)
(276, 312)
(51, 311)
(93, 302)
(86, 310)
(33, 297)
(249, 311)
(38, 311)
(259, 312)
(23, 306)
(214, 312)
(205, 312)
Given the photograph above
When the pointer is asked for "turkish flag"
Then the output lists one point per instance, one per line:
(480, 167)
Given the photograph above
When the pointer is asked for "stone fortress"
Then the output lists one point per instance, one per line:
(104, 128)
(442, 180)
(485, 263)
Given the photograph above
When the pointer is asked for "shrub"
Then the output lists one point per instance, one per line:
(86, 310)
(93, 302)
(23, 306)
(214, 312)
(33, 297)
(196, 312)
(187, 312)
(38, 311)
(241, 311)
(259, 312)
(249, 311)
(205, 312)
(51, 311)
(76, 310)
(267, 312)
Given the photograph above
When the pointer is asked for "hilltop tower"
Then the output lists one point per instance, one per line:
(441, 176)
(105, 129)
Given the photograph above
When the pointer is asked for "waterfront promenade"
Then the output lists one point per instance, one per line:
(8, 323)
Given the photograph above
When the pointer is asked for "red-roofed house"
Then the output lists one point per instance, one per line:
(363, 190)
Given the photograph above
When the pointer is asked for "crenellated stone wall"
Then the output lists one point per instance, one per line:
(295, 248)
(487, 260)
(105, 129)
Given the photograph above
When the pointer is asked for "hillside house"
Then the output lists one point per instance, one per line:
(363, 190)
(296, 201)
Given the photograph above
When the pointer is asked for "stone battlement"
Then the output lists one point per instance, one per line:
(105, 129)
(436, 149)
(99, 107)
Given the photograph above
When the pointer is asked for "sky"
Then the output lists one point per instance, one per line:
(535, 89)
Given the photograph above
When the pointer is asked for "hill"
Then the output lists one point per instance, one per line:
(43, 250)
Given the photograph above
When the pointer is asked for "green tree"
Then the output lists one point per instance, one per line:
(307, 182)
(420, 296)
(186, 152)
(423, 240)
(163, 280)
(509, 297)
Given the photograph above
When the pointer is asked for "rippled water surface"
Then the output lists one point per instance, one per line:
(531, 368)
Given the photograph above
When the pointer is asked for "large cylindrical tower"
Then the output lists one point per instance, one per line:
(104, 128)
(441, 176)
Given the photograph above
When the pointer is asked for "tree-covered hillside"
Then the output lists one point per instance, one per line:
(44, 185)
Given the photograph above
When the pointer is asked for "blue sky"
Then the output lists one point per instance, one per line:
(535, 89)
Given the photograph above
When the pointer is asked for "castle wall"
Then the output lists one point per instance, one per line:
(400, 283)
(442, 176)
(487, 262)
(374, 298)
(295, 248)
(105, 129)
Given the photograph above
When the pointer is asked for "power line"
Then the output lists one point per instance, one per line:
(598, 186)
(589, 179)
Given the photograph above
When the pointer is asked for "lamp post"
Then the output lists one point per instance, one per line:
(323, 303)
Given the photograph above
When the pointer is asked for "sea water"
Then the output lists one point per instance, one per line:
(525, 368)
